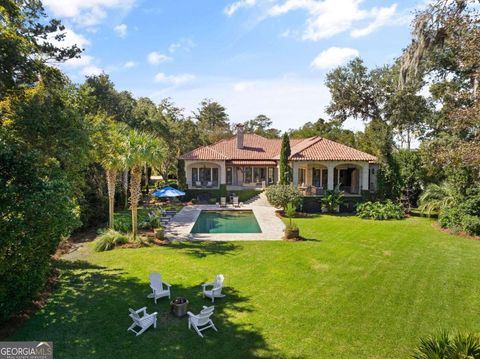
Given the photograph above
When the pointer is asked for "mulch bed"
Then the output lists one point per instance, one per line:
(437, 226)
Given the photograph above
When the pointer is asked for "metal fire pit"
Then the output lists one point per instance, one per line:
(179, 306)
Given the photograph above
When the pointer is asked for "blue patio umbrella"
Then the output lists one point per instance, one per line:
(168, 192)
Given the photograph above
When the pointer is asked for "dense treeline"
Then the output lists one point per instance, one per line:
(64, 147)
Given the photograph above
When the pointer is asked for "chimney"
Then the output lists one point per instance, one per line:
(240, 135)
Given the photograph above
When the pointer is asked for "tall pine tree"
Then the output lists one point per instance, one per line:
(285, 170)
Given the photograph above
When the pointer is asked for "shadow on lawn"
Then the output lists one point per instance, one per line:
(87, 316)
(202, 249)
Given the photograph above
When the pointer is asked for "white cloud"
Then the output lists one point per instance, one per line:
(82, 61)
(156, 58)
(121, 30)
(382, 17)
(333, 57)
(234, 7)
(71, 38)
(185, 44)
(175, 80)
(130, 64)
(243, 86)
(325, 18)
(91, 70)
(86, 12)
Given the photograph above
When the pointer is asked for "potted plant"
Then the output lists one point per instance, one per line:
(291, 230)
(332, 200)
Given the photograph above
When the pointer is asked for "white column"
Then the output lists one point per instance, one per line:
(223, 173)
(330, 168)
(295, 173)
(365, 171)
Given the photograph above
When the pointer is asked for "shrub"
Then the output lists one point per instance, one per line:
(451, 217)
(36, 213)
(109, 240)
(123, 224)
(332, 200)
(444, 345)
(281, 195)
(380, 211)
(471, 224)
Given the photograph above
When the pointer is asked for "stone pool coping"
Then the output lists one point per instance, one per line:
(182, 223)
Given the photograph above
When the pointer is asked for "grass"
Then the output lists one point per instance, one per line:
(354, 289)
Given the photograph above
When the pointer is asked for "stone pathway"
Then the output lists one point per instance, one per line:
(181, 225)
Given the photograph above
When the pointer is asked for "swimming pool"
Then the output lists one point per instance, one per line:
(226, 222)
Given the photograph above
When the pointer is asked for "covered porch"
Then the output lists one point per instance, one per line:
(249, 174)
(315, 178)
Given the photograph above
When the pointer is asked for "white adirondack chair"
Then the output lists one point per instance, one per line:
(160, 288)
(235, 202)
(201, 321)
(223, 201)
(216, 291)
(143, 322)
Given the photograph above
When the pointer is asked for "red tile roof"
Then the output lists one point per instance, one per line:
(326, 150)
(258, 148)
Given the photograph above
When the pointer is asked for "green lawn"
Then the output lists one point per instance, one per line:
(354, 289)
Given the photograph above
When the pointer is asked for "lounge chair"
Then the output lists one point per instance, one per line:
(201, 321)
(143, 322)
(160, 288)
(223, 202)
(216, 291)
(235, 202)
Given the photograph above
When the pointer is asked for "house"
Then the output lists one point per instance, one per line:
(248, 161)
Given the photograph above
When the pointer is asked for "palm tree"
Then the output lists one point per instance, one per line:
(437, 197)
(143, 149)
(109, 140)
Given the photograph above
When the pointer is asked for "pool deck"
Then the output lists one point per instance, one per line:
(181, 225)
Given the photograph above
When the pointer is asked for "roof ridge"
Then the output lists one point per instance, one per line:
(318, 138)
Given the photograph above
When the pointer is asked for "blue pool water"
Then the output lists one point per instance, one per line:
(226, 222)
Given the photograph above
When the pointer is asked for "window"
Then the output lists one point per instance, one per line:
(316, 177)
(301, 175)
(270, 175)
(229, 175)
(259, 174)
(215, 175)
(194, 175)
(247, 175)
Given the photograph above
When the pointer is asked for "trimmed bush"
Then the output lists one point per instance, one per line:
(380, 210)
(281, 195)
(109, 240)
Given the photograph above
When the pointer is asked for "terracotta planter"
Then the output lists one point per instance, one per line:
(291, 233)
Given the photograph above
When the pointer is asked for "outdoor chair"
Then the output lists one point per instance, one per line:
(209, 184)
(223, 201)
(216, 291)
(143, 322)
(201, 321)
(235, 202)
(160, 288)
(198, 184)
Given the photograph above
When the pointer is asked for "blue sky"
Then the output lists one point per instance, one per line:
(253, 56)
